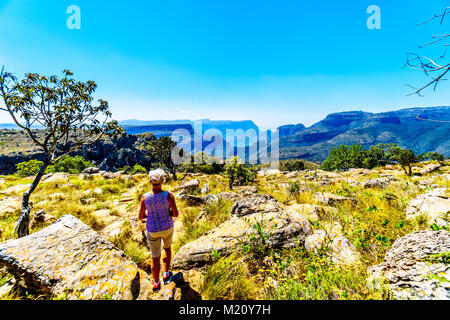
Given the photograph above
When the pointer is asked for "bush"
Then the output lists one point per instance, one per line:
(203, 163)
(239, 173)
(138, 169)
(70, 165)
(28, 168)
(292, 165)
(345, 157)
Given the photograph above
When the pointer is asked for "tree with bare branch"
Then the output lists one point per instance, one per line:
(436, 68)
(65, 110)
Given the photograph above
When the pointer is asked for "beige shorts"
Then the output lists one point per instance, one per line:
(154, 241)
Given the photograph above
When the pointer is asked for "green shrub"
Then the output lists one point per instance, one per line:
(292, 165)
(238, 173)
(138, 169)
(203, 163)
(28, 168)
(70, 164)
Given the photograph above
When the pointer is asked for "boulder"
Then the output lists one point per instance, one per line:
(112, 230)
(285, 228)
(409, 270)
(432, 204)
(190, 185)
(91, 170)
(380, 183)
(111, 175)
(429, 168)
(332, 199)
(191, 200)
(341, 249)
(255, 203)
(70, 258)
(55, 177)
(210, 198)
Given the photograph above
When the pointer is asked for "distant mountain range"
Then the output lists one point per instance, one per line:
(413, 128)
(420, 129)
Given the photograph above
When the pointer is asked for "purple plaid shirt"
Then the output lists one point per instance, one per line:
(159, 217)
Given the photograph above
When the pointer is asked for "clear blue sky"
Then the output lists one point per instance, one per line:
(274, 62)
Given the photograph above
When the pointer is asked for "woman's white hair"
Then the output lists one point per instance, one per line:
(156, 176)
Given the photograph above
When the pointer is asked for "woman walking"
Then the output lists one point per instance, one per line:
(159, 207)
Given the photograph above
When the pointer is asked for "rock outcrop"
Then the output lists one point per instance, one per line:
(433, 204)
(256, 203)
(70, 258)
(284, 227)
(380, 183)
(341, 249)
(410, 272)
(332, 199)
(429, 168)
(190, 185)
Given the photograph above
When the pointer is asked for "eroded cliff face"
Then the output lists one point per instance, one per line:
(108, 155)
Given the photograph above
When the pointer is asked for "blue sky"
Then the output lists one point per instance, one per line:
(274, 62)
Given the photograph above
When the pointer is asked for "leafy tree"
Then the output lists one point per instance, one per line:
(344, 157)
(404, 157)
(65, 109)
(161, 149)
(433, 156)
(238, 172)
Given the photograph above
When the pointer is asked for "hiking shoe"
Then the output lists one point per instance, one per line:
(168, 278)
(157, 286)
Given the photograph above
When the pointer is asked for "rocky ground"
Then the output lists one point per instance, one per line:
(370, 233)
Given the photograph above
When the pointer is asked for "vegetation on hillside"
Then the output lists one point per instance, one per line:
(344, 157)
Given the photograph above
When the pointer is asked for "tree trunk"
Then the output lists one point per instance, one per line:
(22, 226)
(174, 174)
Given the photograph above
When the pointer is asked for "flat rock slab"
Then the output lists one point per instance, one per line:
(285, 228)
(70, 258)
(407, 268)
